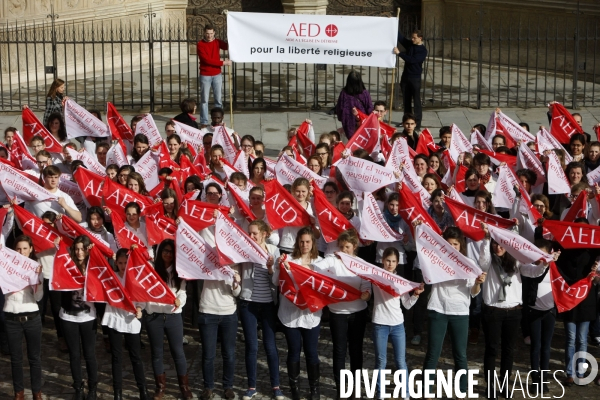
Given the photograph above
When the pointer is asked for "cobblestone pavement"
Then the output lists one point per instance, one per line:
(57, 384)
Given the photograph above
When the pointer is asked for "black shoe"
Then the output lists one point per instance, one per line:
(293, 373)
(78, 395)
(92, 394)
(144, 394)
(118, 394)
(313, 381)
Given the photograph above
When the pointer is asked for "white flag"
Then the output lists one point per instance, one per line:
(21, 187)
(439, 261)
(79, 122)
(234, 245)
(478, 140)
(517, 132)
(399, 155)
(557, 180)
(115, 155)
(16, 271)
(189, 135)
(147, 166)
(517, 246)
(221, 137)
(504, 193)
(364, 176)
(545, 141)
(391, 283)
(411, 180)
(287, 170)
(459, 143)
(88, 160)
(241, 163)
(527, 159)
(373, 225)
(148, 128)
(196, 259)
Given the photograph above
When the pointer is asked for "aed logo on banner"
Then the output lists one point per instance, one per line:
(310, 30)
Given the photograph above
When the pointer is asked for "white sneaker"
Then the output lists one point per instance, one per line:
(527, 340)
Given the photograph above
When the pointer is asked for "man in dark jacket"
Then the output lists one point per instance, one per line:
(410, 83)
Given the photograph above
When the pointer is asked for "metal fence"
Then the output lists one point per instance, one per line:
(151, 65)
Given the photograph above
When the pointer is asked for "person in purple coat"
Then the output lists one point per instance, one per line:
(353, 96)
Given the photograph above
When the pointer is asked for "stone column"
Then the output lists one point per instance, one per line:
(318, 7)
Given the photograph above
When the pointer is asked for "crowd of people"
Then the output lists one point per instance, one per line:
(508, 293)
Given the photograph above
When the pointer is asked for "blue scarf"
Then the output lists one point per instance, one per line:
(392, 220)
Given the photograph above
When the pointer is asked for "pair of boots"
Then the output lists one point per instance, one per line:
(21, 395)
(118, 393)
(161, 383)
(80, 395)
(313, 380)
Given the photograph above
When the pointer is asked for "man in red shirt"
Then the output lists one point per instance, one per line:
(208, 50)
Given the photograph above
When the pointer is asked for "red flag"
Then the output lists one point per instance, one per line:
(143, 284)
(563, 125)
(65, 274)
(566, 297)
(511, 161)
(501, 130)
(320, 290)
(118, 127)
(200, 163)
(42, 235)
(597, 130)
(116, 197)
(572, 235)
(281, 207)
(366, 136)
(32, 126)
(385, 129)
(124, 237)
(411, 210)
(331, 220)
(102, 285)
(426, 143)
(578, 209)
(289, 290)
(199, 214)
(72, 229)
(461, 179)
(336, 152)
(90, 185)
(158, 226)
(188, 169)
(19, 154)
(308, 147)
(469, 220)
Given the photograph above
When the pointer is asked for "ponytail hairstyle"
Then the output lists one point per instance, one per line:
(453, 232)
(262, 226)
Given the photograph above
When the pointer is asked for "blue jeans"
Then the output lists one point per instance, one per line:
(397, 335)
(298, 337)
(250, 313)
(209, 325)
(170, 325)
(206, 82)
(575, 340)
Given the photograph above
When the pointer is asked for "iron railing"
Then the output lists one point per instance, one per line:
(152, 65)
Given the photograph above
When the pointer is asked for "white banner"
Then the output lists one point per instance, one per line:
(79, 122)
(504, 193)
(439, 261)
(196, 259)
(189, 135)
(222, 138)
(22, 188)
(147, 167)
(88, 160)
(71, 188)
(459, 143)
(391, 283)
(287, 170)
(373, 226)
(116, 155)
(517, 246)
(312, 39)
(527, 159)
(545, 141)
(517, 132)
(398, 155)
(236, 245)
(411, 179)
(478, 140)
(148, 128)
(557, 180)
(16, 271)
(241, 164)
(364, 176)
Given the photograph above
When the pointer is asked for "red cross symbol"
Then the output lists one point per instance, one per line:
(331, 30)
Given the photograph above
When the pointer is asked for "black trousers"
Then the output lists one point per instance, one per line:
(411, 92)
(31, 330)
(132, 342)
(55, 298)
(81, 335)
(347, 333)
(501, 332)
